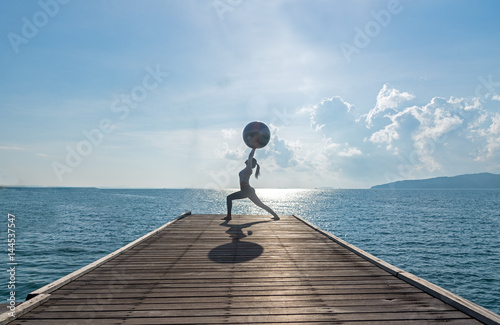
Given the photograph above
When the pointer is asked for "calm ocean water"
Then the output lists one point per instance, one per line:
(448, 237)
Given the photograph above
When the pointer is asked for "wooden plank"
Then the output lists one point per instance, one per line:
(403, 303)
(482, 314)
(338, 314)
(249, 271)
(238, 320)
(42, 294)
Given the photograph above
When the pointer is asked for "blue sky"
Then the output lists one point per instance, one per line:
(156, 93)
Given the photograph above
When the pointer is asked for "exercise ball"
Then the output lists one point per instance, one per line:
(256, 135)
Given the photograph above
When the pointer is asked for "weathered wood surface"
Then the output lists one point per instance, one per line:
(252, 270)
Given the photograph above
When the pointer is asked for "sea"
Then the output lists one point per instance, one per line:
(448, 237)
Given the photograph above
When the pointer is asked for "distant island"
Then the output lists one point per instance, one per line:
(469, 181)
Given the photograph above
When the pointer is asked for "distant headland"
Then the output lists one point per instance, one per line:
(468, 181)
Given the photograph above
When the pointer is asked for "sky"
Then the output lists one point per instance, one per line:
(155, 94)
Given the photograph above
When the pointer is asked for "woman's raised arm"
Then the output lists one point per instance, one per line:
(250, 156)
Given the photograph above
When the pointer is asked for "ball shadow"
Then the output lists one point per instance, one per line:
(236, 251)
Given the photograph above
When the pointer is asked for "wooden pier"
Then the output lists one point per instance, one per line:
(252, 270)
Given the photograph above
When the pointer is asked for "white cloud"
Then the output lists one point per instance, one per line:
(329, 143)
(495, 97)
(441, 136)
(224, 151)
(386, 135)
(475, 104)
(495, 125)
(12, 148)
(228, 133)
(283, 153)
(350, 152)
(386, 99)
(492, 136)
(435, 122)
(334, 112)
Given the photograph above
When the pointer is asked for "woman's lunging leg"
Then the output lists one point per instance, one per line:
(255, 199)
(234, 196)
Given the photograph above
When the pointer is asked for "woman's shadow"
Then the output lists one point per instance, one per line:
(237, 251)
(236, 231)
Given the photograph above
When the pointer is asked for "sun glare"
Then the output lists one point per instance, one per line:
(277, 194)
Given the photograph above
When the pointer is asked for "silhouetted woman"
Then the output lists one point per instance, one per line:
(246, 191)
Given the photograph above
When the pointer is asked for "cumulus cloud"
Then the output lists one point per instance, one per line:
(387, 98)
(334, 111)
(350, 151)
(387, 135)
(495, 125)
(491, 136)
(440, 134)
(334, 150)
(330, 143)
(228, 133)
(225, 151)
(436, 120)
(280, 151)
(283, 153)
(443, 136)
